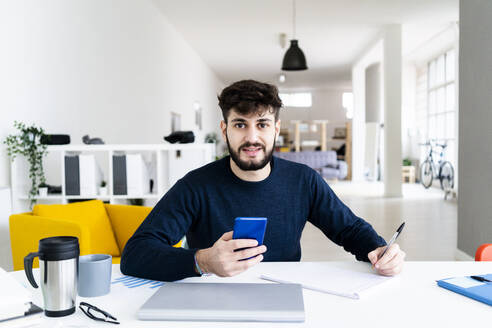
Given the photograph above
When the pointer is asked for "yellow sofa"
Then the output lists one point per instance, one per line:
(101, 228)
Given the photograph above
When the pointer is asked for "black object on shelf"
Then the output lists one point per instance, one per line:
(181, 137)
(55, 139)
(72, 175)
(92, 141)
(119, 175)
(54, 189)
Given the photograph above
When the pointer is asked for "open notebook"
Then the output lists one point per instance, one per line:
(323, 277)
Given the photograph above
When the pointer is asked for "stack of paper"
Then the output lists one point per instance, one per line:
(82, 175)
(90, 175)
(137, 175)
(323, 277)
(130, 175)
(15, 300)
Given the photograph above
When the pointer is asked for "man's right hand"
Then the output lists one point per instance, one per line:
(221, 259)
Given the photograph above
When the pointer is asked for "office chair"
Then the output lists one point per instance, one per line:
(484, 253)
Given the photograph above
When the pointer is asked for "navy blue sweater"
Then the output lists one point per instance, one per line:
(203, 206)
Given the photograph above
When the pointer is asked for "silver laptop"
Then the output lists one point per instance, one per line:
(225, 302)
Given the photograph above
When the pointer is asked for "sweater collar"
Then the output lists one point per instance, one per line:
(227, 164)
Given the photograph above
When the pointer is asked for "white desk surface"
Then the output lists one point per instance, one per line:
(411, 299)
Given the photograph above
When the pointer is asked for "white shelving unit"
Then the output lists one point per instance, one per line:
(170, 162)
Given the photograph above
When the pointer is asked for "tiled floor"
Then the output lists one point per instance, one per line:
(431, 222)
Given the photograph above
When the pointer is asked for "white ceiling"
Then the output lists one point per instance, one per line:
(239, 39)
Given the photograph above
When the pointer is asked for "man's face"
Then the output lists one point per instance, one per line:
(250, 139)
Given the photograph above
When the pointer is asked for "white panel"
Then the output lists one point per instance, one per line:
(182, 162)
(90, 177)
(392, 111)
(137, 175)
(371, 151)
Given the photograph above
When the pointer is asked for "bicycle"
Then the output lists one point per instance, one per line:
(442, 170)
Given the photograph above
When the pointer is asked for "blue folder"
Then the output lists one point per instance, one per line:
(480, 291)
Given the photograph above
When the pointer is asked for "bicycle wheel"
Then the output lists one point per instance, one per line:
(446, 176)
(426, 174)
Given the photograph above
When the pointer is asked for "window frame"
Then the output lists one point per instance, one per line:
(282, 96)
(435, 88)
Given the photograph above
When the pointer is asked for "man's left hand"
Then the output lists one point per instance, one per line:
(392, 261)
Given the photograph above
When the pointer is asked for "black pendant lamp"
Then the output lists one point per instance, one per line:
(294, 59)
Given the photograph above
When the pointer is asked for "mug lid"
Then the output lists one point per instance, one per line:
(59, 248)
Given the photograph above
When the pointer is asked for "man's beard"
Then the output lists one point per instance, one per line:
(250, 165)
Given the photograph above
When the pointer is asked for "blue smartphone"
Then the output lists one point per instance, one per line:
(250, 228)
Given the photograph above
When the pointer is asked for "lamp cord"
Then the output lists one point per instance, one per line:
(294, 18)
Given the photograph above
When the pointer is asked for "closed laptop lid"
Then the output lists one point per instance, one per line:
(225, 302)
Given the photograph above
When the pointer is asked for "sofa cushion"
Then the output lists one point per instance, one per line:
(125, 219)
(92, 214)
(329, 173)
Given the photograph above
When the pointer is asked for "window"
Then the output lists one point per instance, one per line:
(299, 99)
(441, 111)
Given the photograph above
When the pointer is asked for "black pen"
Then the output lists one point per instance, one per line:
(481, 279)
(397, 233)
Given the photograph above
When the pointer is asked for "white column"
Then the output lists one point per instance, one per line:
(392, 110)
(358, 122)
(373, 54)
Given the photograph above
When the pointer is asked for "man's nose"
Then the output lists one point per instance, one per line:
(252, 134)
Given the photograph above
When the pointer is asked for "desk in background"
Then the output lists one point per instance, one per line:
(411, 299)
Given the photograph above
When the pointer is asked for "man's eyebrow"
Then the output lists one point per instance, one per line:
(242, 120)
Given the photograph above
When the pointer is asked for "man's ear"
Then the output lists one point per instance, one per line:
(277, 128)
(223, 128)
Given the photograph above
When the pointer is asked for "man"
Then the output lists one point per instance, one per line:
(248, 183)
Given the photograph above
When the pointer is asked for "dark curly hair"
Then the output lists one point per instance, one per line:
(249, 96)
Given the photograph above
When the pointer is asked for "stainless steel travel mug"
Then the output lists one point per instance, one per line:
(58, 267)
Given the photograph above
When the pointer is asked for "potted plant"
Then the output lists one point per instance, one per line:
(43, 189)
(28, 143)
(103, 190)
(211, 138)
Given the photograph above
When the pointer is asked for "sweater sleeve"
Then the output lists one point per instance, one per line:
(149, 253)
(338, 223)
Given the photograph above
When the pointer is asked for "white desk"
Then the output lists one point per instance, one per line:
(411, 299)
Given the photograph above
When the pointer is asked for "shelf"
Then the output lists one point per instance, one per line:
(117, 147)
(165, 167)
(87, 197)
(106, 197)
(55, 196)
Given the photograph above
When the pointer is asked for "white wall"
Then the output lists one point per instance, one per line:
(109, 68)
(327, 105)
(373, 94)
(5, 211)
(373, 120)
